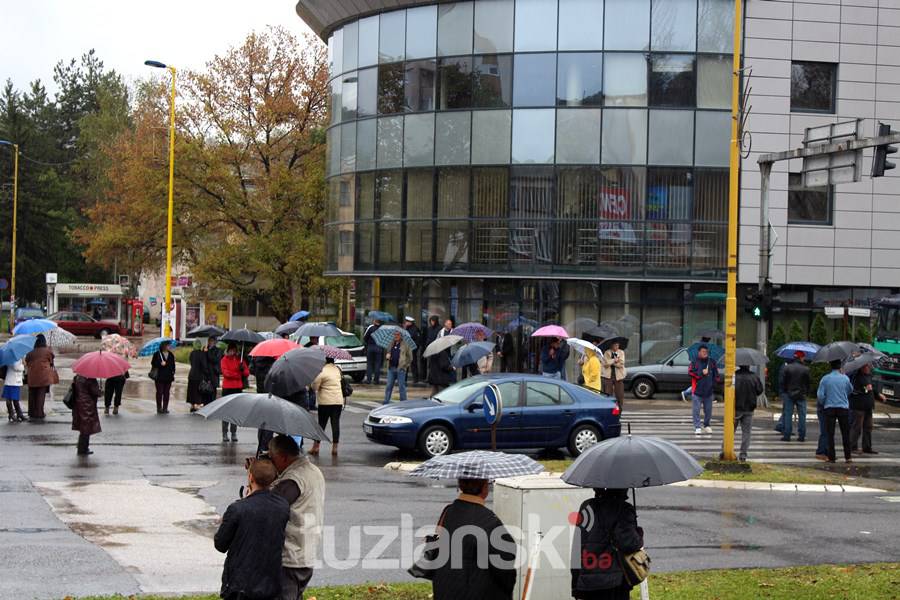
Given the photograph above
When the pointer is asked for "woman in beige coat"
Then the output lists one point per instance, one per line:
(612, 372)
(330, 396)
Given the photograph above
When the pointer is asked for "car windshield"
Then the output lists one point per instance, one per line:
(30, 312)
(347, 340)
(459, 392)
(57, 317)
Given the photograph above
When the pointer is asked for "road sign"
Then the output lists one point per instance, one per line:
(3, 284)
(492, 404)
(51, 278)
(835, 167)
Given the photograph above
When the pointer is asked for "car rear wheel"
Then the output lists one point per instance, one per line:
(436, 441)
(582, 438)
(643, 388)
(357, 377)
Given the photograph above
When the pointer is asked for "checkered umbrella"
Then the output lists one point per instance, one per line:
(336, 353)
(469, 330)
(384, 336)
(477, 464)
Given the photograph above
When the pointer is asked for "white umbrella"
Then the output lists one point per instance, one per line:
(59, 338)
(441, 344)
(581, 346)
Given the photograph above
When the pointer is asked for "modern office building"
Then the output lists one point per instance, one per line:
(526, 161)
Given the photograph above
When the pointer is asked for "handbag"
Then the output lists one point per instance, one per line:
(54, 375)
(154, 373)
(206, 387)
(635, 566)
(424, 567)
(69, 398)
(346, 388)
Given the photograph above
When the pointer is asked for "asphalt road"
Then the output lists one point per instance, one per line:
(138, 514)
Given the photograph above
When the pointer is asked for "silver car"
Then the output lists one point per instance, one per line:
(355, 367)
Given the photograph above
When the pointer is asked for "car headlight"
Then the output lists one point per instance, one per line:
(394, 420)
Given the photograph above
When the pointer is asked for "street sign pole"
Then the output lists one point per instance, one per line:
(492, 405)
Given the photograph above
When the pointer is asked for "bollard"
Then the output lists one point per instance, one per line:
(645, 590)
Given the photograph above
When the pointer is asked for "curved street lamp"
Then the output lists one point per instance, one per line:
(12, 279)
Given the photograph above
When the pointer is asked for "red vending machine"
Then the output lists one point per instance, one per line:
(134, 317)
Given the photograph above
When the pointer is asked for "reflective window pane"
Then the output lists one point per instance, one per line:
(390, 88)
(533, 138)
(336, 106)
(368, 41)
(331, 72)
(535, 25)
(390, 142)
(813, 86)
(418, 140)
(715, 26)
(348, 96)
(534, 80)
(351, 40)
(365, 144)
(674, 25)
(624, 79)
(453, 223)
(492, 81)
(494, 26)
(713, 82)
(452, 138)
(367, 92)
(419, 207)
(491, 131)
(389, 194)
(337, 55)
(627, 25)
(808, 205)
(348, 147)
(672, 80)
(333, 139)
(580, 25)
(624, 137)
(578, 136)
(455, 83)
(420, 85)
(713, 138)
(421, 32)
(392, 36)
(671, 137)
(455, 29)
(580, 79)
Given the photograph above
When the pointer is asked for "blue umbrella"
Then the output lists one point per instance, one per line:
(299, 315)
(153, 345)
(16, 348)
(521, 322)
(715, 351)
(384, 336)
(381, 316)
(34, 326)
(788, 350)
(471, 353)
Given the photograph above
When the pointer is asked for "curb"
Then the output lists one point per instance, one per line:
(813, 417)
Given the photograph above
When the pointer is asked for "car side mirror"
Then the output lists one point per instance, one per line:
(671, 363)
(475, 406)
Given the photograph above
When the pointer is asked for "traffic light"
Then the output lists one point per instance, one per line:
(880, 163)
(773, 299)
(755, 305)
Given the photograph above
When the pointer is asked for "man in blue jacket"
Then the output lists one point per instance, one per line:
(834, 400)
(703, 372)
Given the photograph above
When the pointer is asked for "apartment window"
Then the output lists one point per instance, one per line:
(808, 206)
(813, 87)
(345, 247)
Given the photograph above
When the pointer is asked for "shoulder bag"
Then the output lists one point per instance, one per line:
(635, 566)
(69, 398)
(424, 568)
(346, 388)
(154, 371)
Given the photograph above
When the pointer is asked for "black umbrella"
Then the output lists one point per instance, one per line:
(288, 328)
(749, 357)
(600, 332)
(607, 343)
(242, 336)
(205, 331)
(835, 351)
(317, 330)
(264, 411)
(294, 371)
(858, 362)
(631, 462)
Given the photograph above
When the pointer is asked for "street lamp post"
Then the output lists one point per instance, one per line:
(167, 326)
(12, 279)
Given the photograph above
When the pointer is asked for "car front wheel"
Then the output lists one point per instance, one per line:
(436, 441)
(357, 377)
(582, 438)
(643, 388)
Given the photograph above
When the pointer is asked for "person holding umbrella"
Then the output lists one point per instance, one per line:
(374, 354)
(12, 386)
(862, 404)
(553, 359)
(833, 397)
(590, 370)
(747, 388)
(85, 419)
(198, 377)
(410, 325)
(41, 375)
(703, 372)
(429, 335)
(399, 359)
(329, 390)
(259, 367)
(163, 363)
(613, 370)
(794, 390)
(234, 369)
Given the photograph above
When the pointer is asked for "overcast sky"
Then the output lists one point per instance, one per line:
(35, 34)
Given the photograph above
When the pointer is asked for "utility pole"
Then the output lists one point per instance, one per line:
(762, 326)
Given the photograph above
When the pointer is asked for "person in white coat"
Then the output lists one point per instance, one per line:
(12, 386)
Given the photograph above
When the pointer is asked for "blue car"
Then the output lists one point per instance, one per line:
(538, 412)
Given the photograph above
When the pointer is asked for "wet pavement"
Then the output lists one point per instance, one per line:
(138, 515)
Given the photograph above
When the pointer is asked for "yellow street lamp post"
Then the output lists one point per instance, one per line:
(167, 325)
(12, 279)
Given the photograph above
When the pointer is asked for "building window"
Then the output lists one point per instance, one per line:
(455, 83)
(346, 243)
(454, 29)
(494, 26)
(392, 36)
(390, 88)
(534, 80)
(421, 31)
(810, 206)
(580, 79)
(672, 80)
(492, 78)
(813, 87)
(420, 85)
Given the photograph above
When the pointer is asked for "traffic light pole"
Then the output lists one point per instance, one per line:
(762, 326)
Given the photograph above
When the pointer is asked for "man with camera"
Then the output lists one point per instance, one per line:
(252, 533)
(300, 483)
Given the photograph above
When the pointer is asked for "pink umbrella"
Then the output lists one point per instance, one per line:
(100, 365)
(336, 353)
(551, 331)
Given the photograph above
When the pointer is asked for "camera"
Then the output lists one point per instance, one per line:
(264, 455)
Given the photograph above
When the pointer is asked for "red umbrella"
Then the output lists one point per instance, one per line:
(336, 353)
(273, 348)
(100, 365)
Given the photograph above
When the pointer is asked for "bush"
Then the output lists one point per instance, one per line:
(862, 334)
(775, 363)
(796, 333)
(819, 334)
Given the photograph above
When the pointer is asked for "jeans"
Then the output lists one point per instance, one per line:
(374, 362)
(822, 446)
(841, 417)
(294, 582)
(787, 416)
(862, 426)
(399, 376)
(707, 404)
(745, 420)
(552, 375)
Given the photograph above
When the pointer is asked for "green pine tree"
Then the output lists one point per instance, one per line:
(819, 334)
(777, 340)
(863, 334)
(796, 333)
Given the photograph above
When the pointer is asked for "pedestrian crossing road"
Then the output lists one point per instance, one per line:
(674, 424)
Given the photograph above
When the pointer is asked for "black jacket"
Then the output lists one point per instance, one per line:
(605, 524)
(468, 581)
(440, 370)
(431, 334)
(259, 367)
(747, 387)
(795, 380)
(415, 334)
(252, 533)
(199, 366)
(165, 373)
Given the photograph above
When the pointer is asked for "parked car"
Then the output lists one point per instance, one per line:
(538, 412)
(355, 367)
(668, 375)
(81, 324)
(27, 314)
